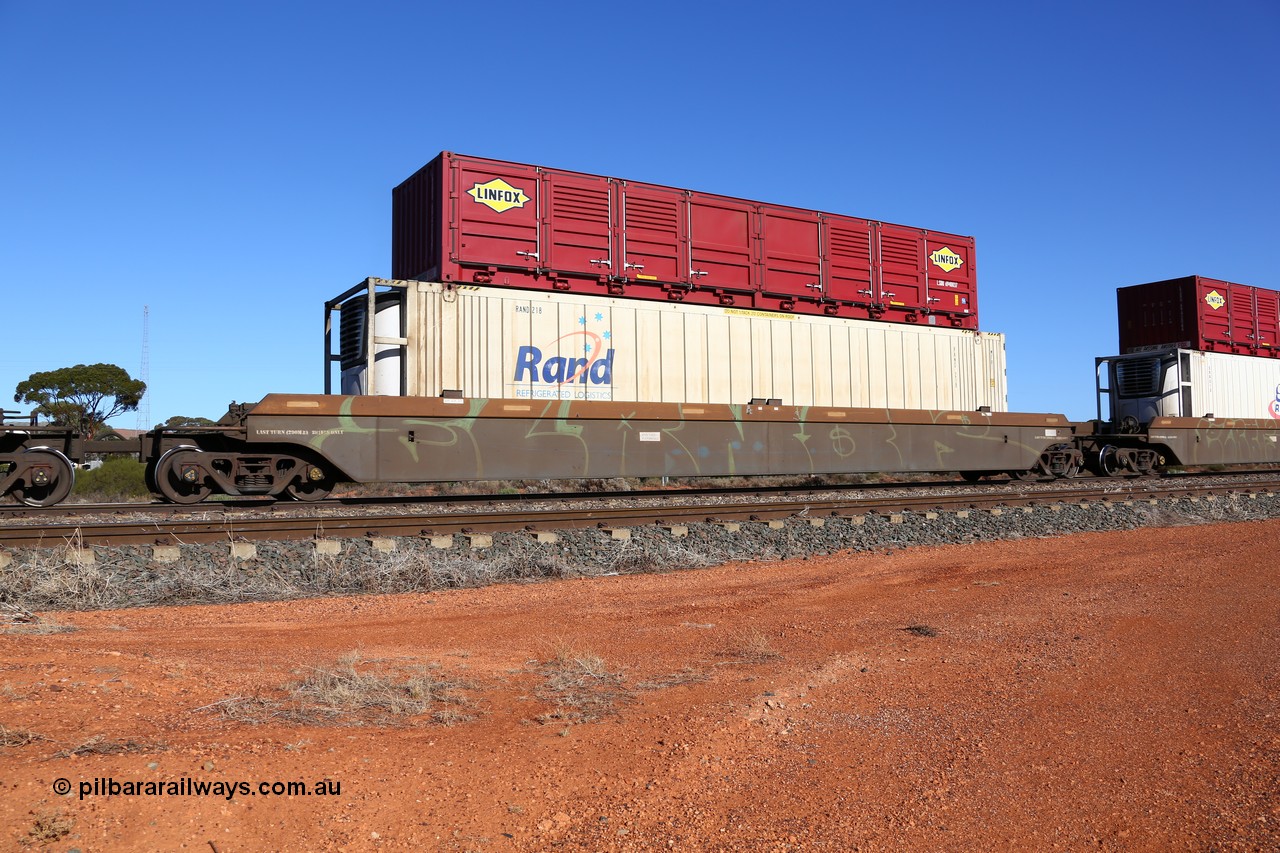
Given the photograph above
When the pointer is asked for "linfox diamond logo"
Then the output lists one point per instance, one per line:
(1214, 300)
(946, 259)
(498, 195)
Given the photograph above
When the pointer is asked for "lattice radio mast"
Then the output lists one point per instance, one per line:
(144, 371)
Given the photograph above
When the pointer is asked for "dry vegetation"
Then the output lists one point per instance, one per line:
(54, 579)
(98, 745)
(580, 687)
(750, 645)
(17, 737)
(355, 692)
(48, 827)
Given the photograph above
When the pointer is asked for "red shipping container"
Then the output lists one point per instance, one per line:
(1199, 313)
(469, 219)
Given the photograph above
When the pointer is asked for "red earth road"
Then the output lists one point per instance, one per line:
(1113, 690)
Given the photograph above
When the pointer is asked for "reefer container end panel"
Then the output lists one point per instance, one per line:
(471, 220)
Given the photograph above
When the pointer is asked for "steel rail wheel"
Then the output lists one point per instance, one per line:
(313, 484)
(178, 483)
(48, 480)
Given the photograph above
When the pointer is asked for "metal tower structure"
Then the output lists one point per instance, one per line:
(144, 371)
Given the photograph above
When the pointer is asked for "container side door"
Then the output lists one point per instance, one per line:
(1212, 305)
(494, 214)
(902, 270)
(1268, 320)
(652, 234)
(849, 260)
(952, 278)
(791, 253)
(1244, 320)
(578, 224)
(722, 235)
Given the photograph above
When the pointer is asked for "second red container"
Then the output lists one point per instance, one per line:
(474, 220)
(1199, 313)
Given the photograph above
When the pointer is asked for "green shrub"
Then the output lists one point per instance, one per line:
(118, 478)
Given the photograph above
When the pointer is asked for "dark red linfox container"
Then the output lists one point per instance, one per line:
(1199, 313)
(469, 219)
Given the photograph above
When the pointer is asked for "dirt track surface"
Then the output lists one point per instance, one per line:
(1115, 690)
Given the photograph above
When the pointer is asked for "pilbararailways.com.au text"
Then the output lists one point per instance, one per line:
(188, 787)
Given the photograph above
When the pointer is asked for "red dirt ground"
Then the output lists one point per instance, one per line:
(1114, 691)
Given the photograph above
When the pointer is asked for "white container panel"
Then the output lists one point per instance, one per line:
(671, 335)
(492, 342)
(695, 361)
(1234, 386)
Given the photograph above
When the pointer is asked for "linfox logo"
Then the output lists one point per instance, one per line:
(946, 259)
(498, 195)
(595, 369)
(1214, 299)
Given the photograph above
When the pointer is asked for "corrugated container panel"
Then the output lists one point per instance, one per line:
(495, 342)
(474, 220)
(1199, 313)
(1233, 386)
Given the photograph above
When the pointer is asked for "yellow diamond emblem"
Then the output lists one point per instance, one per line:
(946, 259)
(498, 195)
(1214, 299)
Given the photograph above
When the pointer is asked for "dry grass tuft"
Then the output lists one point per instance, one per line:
(750, 645)
(17, 737)
(48, 827)
(580, 686)
(688, 675)
(18, 620)
(40, 627)
(98, 745)
(353, 692)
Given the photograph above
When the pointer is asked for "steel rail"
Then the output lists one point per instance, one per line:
(207, 527)
(76, 510)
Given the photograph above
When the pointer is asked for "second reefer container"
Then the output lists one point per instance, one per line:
(432, 338)
(1183, 383)
(479, 221)
(1199, 313)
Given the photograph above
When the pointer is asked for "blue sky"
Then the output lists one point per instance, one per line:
(230, 165)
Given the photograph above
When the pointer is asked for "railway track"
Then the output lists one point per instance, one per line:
(158, 524)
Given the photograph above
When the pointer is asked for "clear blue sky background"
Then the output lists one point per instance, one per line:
(230, 164)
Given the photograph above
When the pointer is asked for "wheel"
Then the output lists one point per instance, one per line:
(49, 484)
(1108, 463)
(1030, 474)
(179, 485)
(313, 484)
